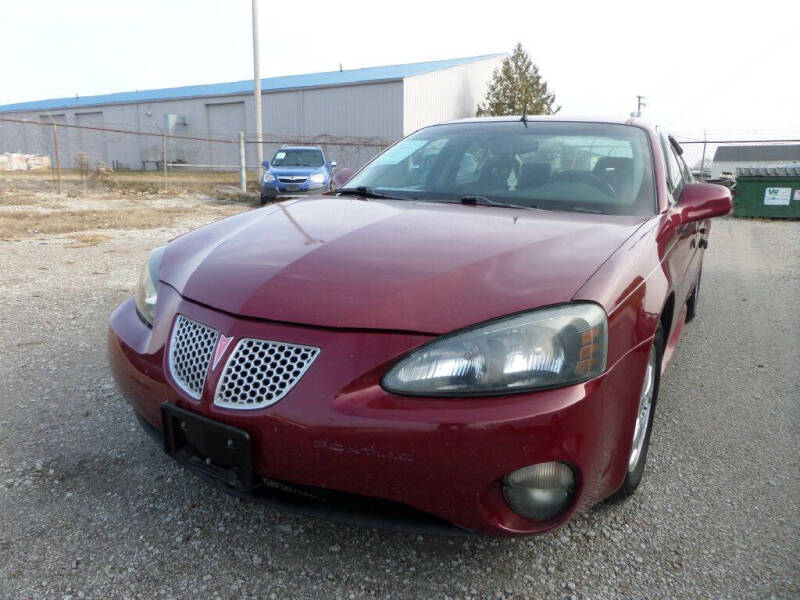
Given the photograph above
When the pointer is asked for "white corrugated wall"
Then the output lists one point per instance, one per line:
(444, 95)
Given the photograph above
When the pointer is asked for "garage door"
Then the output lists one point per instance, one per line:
(225, 121)
(91, 142)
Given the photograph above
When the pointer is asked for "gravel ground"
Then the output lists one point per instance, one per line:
(90, 508)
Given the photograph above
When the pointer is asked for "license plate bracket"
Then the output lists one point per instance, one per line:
(208, 447)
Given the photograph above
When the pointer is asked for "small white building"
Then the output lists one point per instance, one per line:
(753, 156)
(351, 113)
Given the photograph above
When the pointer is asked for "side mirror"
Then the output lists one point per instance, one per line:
(265, 164)
(700, 201)
(333, 164)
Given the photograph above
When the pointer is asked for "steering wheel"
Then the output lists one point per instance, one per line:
(587, 178)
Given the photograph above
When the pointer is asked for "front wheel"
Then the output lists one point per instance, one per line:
(645, 413)
(691, 304)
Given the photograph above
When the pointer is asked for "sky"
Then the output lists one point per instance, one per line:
(727, 68)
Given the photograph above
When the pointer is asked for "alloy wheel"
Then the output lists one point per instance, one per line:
(643, 413)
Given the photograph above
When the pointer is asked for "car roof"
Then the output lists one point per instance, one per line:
(301, 148)
(556, 118)
(577, 118)
(630, 121)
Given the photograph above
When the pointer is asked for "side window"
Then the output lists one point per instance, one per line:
(675, 176)
(469, 166)
(421, 161)
(467, 169)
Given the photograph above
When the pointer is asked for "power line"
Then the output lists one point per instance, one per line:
(323, 139)
(114, 130)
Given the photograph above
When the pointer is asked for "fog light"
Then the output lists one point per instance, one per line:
(540, 492)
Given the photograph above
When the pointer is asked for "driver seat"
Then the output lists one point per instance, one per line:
(495, 173)
(617, 171)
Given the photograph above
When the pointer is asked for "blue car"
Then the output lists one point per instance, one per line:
(296, 170)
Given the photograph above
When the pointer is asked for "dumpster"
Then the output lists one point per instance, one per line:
(771, 192)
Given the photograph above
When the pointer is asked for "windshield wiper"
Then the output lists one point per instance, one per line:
(489, 202)
(367, 192)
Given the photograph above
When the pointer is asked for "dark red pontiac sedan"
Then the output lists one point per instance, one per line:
(472, 331)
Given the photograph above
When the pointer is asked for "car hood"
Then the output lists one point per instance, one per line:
(390, 265)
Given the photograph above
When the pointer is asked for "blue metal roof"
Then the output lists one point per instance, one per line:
(286, 82)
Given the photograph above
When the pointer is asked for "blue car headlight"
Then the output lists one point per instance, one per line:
(317, 178)
(269, 177)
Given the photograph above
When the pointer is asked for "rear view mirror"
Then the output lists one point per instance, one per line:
(265, 164)
(333, 164)
(700, 201)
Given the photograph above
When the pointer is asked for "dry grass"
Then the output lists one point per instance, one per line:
(30, 205)
(84, 240)
(16, 200)
(19, 224)
(150, 182)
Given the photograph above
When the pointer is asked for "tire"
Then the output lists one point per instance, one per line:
(691, 304)
(636, 464)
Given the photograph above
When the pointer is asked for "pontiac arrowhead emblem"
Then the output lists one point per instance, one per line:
(222, 346)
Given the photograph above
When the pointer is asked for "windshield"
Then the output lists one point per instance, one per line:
(587, 167)
(298, 158)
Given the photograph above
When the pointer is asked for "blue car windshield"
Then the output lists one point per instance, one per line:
(298, 158)
(602, 168)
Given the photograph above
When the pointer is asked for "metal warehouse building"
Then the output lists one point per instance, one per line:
(352, 113)
(754, 156)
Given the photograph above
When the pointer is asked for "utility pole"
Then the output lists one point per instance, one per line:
(242, 164)
(257, 89)
(164, 155)
(640, 104)
(164, 160)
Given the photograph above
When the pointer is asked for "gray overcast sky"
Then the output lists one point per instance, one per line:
(728, 67)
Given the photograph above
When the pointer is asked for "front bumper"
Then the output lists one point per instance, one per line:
(330, 505)
(276, 188)
(339, 430)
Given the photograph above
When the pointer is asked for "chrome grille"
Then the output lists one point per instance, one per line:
(261, 372)
(293, 179)
(190, 350)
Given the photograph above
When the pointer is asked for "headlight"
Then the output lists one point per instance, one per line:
(317, 178)
(269, 177)
(544, 348)
(147, 286)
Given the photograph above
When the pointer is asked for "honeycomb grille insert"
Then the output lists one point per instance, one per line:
(261, 372)
(190, 350)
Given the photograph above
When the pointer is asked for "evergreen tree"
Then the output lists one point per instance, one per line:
(518, 88)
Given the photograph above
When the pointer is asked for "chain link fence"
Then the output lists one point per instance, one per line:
(91, 142)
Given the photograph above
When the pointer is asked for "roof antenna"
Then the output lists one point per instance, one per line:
(524, 118)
